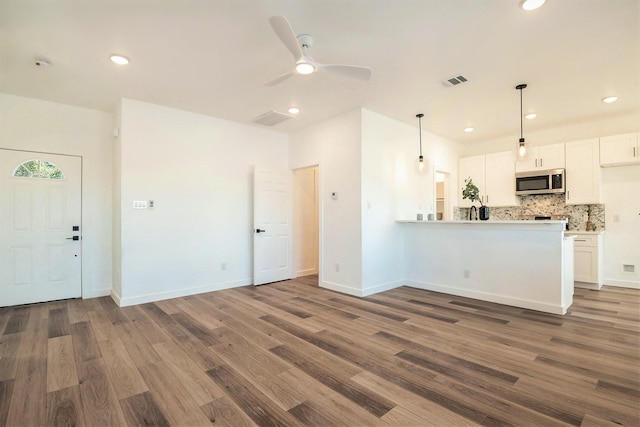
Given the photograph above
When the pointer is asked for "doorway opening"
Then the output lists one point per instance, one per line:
(306, 230)
(443, 196)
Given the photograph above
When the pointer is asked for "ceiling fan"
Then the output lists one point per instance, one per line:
(299, 46)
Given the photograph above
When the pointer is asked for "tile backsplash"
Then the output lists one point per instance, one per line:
(580, 217)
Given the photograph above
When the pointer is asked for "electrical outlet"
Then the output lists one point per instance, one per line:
(223, 266)
(337, 267)
(467, 274)
(629, 268)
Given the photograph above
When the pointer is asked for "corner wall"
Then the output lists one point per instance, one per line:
(334, 145)
(198, 170)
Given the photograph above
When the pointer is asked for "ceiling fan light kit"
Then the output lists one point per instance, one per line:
(299, 46)
(304, 68)
(531, 4)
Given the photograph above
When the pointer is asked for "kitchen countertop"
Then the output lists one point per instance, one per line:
(510, 222)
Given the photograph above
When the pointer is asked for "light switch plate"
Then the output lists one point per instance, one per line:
(139, 204)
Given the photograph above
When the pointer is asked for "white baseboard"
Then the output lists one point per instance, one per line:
(623, 283)
(361, 292)
(340, 288)
(383, 287)
(141, 299)
(95, 293)
(484, 296)
(116, 297)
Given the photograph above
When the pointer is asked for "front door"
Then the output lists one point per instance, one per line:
(40, 235)
(272, 226)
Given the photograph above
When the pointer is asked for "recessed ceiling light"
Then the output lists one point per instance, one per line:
(293, 110)
(531, 116)
(468, 130)
(531, 4)
(610, 99)
(119, 59)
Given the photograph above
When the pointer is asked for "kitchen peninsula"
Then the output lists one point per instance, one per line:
(526, 264)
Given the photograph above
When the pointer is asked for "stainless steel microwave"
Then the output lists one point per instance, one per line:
(540, 182)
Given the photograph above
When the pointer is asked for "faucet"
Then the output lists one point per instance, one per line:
(471, 211)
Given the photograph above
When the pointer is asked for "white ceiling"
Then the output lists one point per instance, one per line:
(214, 57)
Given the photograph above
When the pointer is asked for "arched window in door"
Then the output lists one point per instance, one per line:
(38, 169)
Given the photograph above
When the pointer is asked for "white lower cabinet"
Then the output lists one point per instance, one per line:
(587, 260)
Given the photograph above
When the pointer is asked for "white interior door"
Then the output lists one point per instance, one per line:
(272, 257)
(40, 213)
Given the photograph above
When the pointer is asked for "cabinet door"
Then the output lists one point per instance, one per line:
(619, 149)
(552, 156)
(530, 161)
(582, 172)
(585, 264)
(500, 179)
(471, 167)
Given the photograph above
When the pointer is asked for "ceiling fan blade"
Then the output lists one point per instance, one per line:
(285, 33)
(350, 71)
(279, 79)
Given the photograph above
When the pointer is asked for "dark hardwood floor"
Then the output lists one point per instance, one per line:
(290, 353)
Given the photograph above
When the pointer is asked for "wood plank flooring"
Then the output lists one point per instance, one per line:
(290, 353)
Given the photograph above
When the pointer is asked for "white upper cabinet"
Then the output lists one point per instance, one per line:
(542, 157)
(493, 174)
(500, 179)
(473, 167)
(619, 150)
(583, 172)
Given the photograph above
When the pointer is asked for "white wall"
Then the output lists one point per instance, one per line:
(621, 197)
(334, 145)
(199, 172)
(393, 189)
(116, 232)
(35, 125)
(369, 159)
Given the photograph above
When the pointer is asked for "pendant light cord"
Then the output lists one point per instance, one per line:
(420, 116)
(520, 87)
(520, 113)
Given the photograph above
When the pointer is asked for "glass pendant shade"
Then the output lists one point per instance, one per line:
(522, 148)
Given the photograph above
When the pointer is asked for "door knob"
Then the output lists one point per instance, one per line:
(73, 238)
(260, 231)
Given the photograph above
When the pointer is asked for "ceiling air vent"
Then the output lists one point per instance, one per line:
(454, 81)
(272, 118)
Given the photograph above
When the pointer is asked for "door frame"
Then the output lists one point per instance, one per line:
(82, 289)
(317, 213)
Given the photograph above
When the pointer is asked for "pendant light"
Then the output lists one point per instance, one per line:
(522, 148)
(421, 163)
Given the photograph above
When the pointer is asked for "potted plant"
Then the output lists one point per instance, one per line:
(471, 192)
